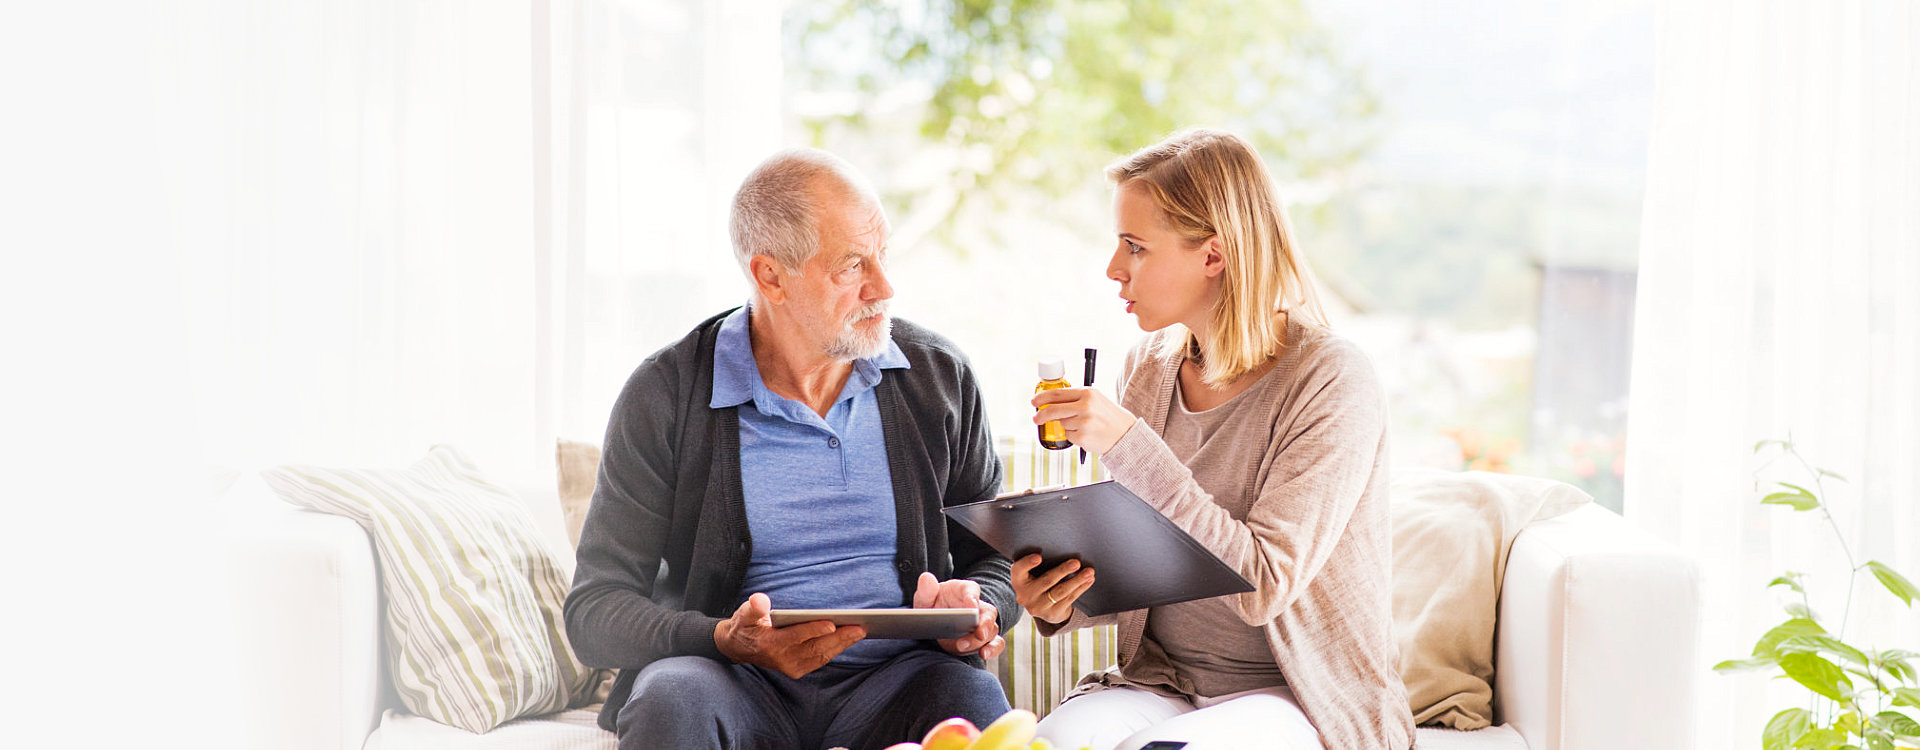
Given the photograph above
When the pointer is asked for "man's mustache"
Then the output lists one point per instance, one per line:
(877, 308)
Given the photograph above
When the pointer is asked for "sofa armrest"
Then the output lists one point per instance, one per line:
(1598, 630)
(307, 612)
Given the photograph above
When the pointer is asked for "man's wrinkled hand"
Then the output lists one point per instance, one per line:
(963, 594)
(749, 637)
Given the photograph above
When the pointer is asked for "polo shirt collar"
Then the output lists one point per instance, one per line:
(736, 376)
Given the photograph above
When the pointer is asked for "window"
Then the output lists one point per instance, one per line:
(1465, 181)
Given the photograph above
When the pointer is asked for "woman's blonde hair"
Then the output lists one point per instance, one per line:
(1210, 183)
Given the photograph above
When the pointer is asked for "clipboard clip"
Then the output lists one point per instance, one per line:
(1004, 502)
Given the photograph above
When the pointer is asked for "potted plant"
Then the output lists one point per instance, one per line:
(1858, 697)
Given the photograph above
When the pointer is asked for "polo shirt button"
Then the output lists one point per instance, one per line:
(833, 442)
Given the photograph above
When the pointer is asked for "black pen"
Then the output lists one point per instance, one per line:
(1092, 354)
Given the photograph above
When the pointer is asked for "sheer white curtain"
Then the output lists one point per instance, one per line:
(105, 563)
(657, 108)
(361, 201)
(421, 221)
(1779, 292)
(248, 232)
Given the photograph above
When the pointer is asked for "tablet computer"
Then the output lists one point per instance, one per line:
(1140, 558)
(931, 623)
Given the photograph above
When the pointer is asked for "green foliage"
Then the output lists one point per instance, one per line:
(1798, 499)
(1896, 583)
(1786, 727)
(1861, 696)
(1461, 253)
(1816, 674)
(1040, 94)
(1466, 253)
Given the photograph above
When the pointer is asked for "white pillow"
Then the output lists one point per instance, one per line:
(473, 598)
(578, 464)
(1451, 534)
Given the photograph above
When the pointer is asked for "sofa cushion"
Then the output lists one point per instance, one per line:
(578, 729)
(578, 465)
(473, 598)
(1502, 737)
(1451, 534)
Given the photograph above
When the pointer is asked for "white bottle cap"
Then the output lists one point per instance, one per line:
(1052, 369)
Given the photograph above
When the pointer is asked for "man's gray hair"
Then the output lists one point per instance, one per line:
(774, 211)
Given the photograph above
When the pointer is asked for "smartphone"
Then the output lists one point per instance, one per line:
(1163, 745)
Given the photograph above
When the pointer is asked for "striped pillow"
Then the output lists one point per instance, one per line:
(473, 624)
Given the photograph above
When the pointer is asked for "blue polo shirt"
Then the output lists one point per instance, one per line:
(818, 491)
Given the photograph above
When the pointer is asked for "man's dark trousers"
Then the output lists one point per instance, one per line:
(694, 703)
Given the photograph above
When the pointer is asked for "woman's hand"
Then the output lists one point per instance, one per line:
(1049, 596)
(1092, 420)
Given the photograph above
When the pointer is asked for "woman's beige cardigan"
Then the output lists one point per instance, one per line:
(1316, 542)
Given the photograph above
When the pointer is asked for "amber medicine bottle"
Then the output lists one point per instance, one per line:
(1052, 375)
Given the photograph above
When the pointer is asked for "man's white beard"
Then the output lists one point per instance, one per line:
(852, 343)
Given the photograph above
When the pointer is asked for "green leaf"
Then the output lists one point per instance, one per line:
(1898, 672)
(1795, 500)
(1906, 697)
(1897, 724)
(1897, 664)
(1896, 583)
(1816, 674)
(1834, 475)
(1742, 665)
(1768, 644)
(1765, 443)
(1821, 738)
(1823, 644)
(1848, 723)
(1790, 580)
(1786, 728)
(1800, 610)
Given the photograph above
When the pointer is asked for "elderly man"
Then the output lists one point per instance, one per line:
(794, 453)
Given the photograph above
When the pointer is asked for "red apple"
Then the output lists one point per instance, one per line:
(953, 734)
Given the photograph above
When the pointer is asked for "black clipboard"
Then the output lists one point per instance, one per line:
(1140, 558)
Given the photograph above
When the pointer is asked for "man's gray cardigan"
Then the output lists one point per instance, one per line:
(669, 492)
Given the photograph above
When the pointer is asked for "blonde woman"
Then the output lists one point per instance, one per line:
(1261, 433)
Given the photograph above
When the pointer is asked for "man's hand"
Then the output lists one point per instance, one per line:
(935, 593)
(749, 637)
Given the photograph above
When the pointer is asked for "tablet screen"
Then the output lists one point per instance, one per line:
(929, 623)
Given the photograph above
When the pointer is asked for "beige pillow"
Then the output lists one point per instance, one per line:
(1451, 533)
(579, 465)
(473, 596)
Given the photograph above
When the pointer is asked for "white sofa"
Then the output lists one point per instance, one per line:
(1595, 647)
